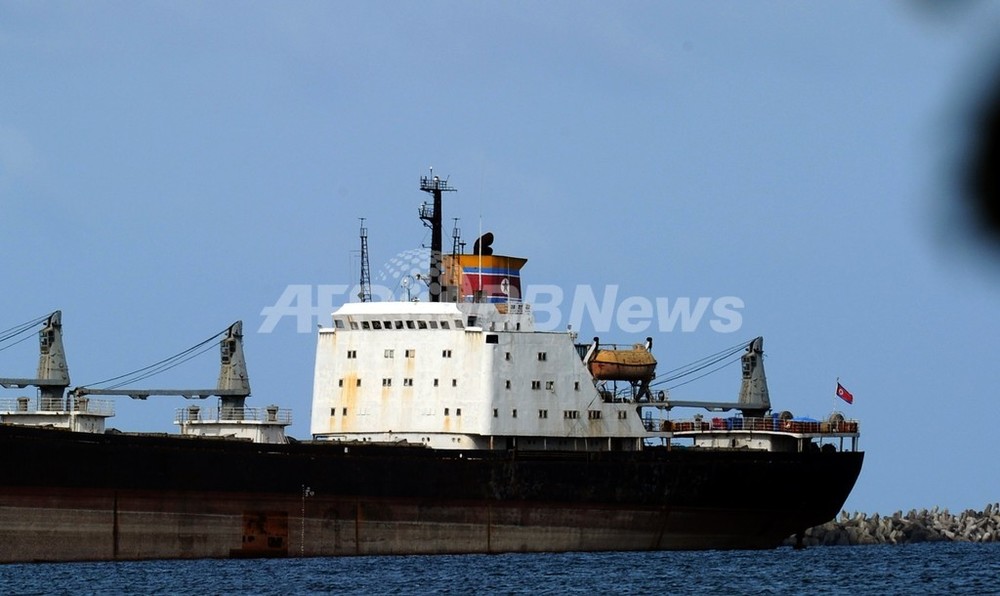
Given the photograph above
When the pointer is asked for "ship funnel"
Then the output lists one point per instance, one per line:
(483, 245)
(754, 400)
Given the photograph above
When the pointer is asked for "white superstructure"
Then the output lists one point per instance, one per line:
(460, 376)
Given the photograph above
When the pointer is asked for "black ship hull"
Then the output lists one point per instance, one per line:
(78, 496)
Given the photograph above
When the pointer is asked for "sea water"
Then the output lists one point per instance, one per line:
(938, 568)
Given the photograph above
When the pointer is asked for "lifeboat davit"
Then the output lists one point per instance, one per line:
(635, 364)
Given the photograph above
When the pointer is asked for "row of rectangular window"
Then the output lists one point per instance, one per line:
(333, 411)
(542, 356)
(408, 382)
(567, 414)
(398, 324)
(390, 353)
(549, 385)
(387, 382)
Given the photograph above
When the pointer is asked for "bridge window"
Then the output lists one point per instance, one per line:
(432, 324)
(411, 325)
(376, 324)
(421, 324)
(366, 325)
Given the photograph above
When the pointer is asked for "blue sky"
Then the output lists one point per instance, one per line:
(167, 168)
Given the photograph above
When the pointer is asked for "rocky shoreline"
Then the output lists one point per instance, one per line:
(932, 525)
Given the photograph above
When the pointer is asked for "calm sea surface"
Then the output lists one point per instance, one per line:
(942, 568)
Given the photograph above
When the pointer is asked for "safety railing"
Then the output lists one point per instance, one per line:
(81, 405)
(740, 423)
(271, 414)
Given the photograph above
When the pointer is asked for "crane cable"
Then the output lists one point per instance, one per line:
(720, 367)
(161, 366)
(16, 330)
(700, 365)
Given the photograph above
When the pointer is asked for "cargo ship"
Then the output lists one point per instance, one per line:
(448, 425)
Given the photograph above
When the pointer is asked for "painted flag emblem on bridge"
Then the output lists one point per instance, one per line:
(844, 394)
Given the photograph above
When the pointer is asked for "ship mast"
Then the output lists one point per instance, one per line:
(52, 378)
(754, 398)
(431, 214)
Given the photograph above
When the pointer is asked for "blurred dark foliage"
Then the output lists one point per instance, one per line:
(981, 174)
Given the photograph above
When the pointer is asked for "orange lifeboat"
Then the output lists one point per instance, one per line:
(635, 364)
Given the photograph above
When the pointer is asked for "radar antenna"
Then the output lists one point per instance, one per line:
(431, 214)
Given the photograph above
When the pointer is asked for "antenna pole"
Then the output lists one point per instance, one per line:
(366, 278)
(456, 238)
(431, 214)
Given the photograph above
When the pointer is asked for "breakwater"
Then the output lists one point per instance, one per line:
(933, 525)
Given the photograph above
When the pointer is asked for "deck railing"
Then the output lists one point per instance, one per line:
(269, 414)
(739, 423)
(31, 405)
